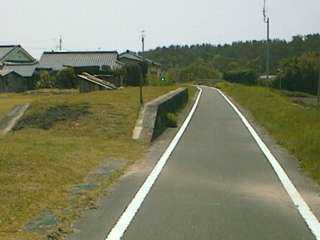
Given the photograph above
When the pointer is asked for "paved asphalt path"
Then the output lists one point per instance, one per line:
(217, 185)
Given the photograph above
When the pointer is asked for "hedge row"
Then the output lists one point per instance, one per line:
(244, 76)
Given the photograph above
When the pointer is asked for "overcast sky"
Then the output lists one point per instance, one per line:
(115, 24)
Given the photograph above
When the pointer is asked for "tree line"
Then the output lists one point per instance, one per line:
(294, 62)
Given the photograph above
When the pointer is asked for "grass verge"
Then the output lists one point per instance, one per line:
(43, 160)
(293, 126)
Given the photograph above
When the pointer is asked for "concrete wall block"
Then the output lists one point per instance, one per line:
(152, 118)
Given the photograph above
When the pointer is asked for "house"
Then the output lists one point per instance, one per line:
(10, 81)
(14, 54)
(23, 69)
(16, 66)
(129, 57)
(16, 58)
(81, 61)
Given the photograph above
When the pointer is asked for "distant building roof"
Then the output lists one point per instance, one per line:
(23, 69)
(59, 60)
(6, 50)
(131, 55)
(136, 57)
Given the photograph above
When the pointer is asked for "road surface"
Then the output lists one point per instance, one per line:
(217, 185)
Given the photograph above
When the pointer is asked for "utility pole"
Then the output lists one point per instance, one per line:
(142, 77)
(60, 43)
(266, 19)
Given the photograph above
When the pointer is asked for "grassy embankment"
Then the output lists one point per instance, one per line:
(61, 139)
(294, 126)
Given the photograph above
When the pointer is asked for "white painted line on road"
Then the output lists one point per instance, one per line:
(128, 215)
(301, 205)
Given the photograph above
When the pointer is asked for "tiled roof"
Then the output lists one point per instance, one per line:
(136, 57)
(58, 60)
(4, 50)
(25, 70)
(131, 55)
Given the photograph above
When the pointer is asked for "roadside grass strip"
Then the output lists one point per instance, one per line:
(46, 160)
(300, 204)
(123, 223)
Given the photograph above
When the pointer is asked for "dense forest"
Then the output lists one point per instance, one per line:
(209, 61)
(251, 53)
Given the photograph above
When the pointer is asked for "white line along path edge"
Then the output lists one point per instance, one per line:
(130, 212)
(295, 196)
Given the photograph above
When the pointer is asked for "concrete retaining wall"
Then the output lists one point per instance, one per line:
(152, 119)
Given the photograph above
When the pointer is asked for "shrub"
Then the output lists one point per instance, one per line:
(263, 81)
(299, 74)
(45, 80)
(155, 80)
(172, 121)
(133, 75)
(198, 70)
(67, 78)
(244, 76)
(119, 75)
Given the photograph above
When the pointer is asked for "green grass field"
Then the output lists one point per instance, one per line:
(47, 155)
(295, 127)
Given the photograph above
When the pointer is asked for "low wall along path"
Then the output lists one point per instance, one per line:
(152, 119)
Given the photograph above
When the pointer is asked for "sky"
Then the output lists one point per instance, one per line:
(116, 24)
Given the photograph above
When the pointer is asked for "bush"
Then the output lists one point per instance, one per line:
(173, 74)
(119, 76)
(198, 70)
(133, 75)
(155, 80)
(172, 121)
(45, 80)
(67, 78)
(243, 76)
(207, 82)
(299, 74)
(263, 81)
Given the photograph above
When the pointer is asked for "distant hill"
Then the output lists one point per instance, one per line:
(222, 57)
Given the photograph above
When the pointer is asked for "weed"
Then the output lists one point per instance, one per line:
(171, 120)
